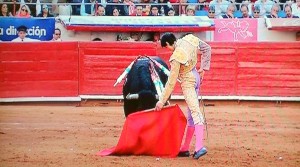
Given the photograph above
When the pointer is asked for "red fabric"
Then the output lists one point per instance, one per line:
(156, 133)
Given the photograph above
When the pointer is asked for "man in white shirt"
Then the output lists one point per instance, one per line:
(296, 8)
(22, 32)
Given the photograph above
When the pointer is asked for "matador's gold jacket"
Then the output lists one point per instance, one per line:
(184, 60)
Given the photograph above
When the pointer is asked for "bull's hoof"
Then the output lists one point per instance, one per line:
(183, 154)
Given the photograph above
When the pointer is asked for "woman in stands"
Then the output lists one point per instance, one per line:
(163, 9)
(190, 10)
(116, 11)
(4, 11)
(24, 12)
(182, 7)
(45, 12)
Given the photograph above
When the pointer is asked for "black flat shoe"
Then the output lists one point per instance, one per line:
(200, 153)
(184, 154)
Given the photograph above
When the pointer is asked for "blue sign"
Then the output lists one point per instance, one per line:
(37, 28)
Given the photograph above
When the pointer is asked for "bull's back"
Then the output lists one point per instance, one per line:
(139, 82)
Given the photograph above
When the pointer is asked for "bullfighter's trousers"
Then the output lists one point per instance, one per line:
(190, 85)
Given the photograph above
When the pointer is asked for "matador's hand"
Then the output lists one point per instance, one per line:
(159, 105)
(201, 72)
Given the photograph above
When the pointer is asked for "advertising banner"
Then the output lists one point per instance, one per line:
(235, 30)
(37, 28)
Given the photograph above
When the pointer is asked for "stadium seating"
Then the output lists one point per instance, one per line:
(192, 1)
(281, 14)
(237, 14)
(201, 13)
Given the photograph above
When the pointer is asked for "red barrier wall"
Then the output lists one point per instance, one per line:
(102, 63)
(39, 69)
(91, 68)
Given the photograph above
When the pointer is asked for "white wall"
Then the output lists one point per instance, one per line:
(273, 35)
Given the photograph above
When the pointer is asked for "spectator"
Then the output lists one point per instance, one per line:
(182, 7)
(100, 11)
(288, 12)
(13, 6)
(57, 35)
(274, 11)
(154, 37)
(4, 11)
(256, 12)
(298, 36)
(22, 32)
(163, 9)
(119, 37)
(203, 5)
(65, 9)
(109, 8)
(245, 11)
(190, 10)
(88, 7)
(147, 10)
(24, 12)
(264, 6)
(147, 7)
(45, 12)
(296, 8)
(32, 6)
(75, 6)
(171, 12)
(138, 11)
(175, 7)
(154, 11)
(135, 36)
(237, 3)
(220, 7)
(230, 11)
(128, 8)
(211, 12)
(116, 11)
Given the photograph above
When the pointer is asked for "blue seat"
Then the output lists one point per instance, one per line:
(238, 14)
(281, 14)
(201, 13)
(192, 1)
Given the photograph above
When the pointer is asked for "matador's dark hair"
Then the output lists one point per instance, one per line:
(167, 37)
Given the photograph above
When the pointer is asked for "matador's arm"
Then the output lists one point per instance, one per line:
(206, 55)
(169, 87)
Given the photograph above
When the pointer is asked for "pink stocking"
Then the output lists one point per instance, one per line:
(188, 138)
(199, 131)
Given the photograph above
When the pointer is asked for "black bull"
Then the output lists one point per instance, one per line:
(138, 81)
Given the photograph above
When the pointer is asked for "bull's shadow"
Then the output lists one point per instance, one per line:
(140, 85)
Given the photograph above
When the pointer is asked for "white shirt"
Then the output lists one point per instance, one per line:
(295, 9)
(24, 40)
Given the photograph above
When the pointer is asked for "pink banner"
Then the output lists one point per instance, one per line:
(235, 30)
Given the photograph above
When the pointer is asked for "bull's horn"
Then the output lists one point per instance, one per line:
(132, 96)
(136, 96)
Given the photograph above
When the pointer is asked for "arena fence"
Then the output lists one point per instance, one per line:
(72, 71)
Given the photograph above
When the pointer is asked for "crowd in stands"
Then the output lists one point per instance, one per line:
(210, 8)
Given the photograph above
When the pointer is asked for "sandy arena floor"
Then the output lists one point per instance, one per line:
(246, 134)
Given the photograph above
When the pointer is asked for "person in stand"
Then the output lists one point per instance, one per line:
(57, 35)
(22, 32)
(183, 67)
(45, 12)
